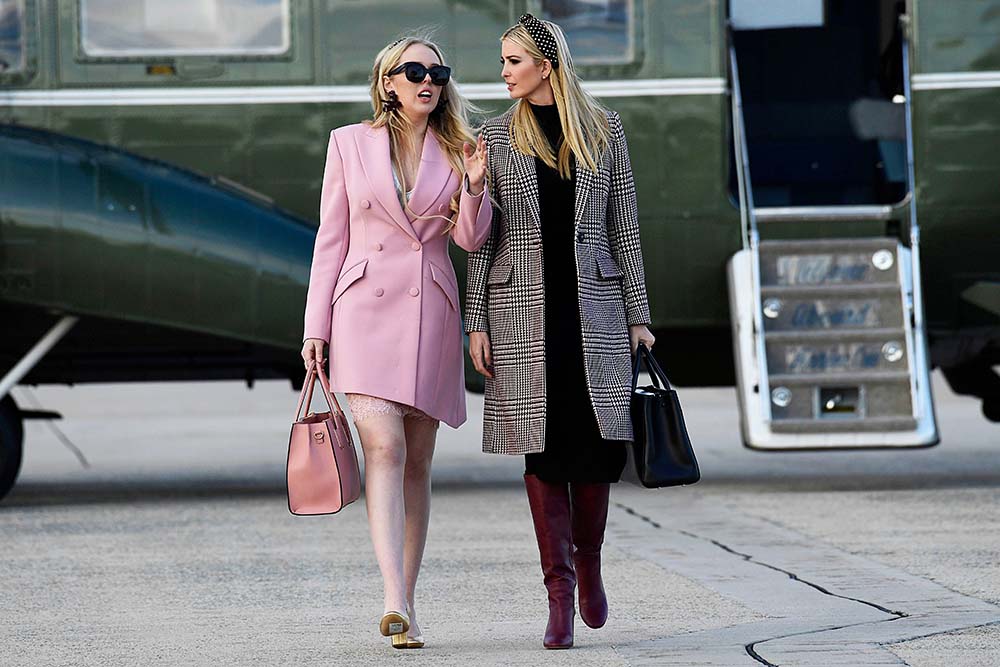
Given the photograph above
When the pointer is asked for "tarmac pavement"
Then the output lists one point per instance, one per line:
(175, 547)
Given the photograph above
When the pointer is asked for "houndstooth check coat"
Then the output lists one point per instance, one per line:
(505, 293)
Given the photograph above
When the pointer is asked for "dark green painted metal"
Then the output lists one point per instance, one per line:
(957, 155)
(957, 35)
(95, 231)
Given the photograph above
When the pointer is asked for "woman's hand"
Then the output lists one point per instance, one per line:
(640, 333)
(475, 165)
(479, 350)
(312, 350)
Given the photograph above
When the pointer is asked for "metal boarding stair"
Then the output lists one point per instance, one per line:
(828, 332)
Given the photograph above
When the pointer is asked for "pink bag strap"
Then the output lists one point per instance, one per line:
(305, 396)
(311, 384)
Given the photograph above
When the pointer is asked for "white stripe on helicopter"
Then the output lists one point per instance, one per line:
(69, 97)
(953, 80)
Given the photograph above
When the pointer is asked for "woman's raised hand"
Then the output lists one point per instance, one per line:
(312, 349)
(475, 164)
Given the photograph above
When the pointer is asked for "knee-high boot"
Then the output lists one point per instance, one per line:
(551, 514)
(590, 517)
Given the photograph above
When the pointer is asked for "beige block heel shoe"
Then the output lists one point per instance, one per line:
(394, 625)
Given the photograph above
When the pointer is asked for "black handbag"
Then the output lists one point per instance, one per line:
(661, 448)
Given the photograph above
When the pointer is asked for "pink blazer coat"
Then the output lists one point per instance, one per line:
(382, 289)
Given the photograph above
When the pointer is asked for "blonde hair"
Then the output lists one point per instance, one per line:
(449, 122)
(586, 133)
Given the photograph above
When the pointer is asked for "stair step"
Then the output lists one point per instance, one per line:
(799, 355)
(845, 213)
(838, 379)
(827, 262)
(827, 245)
(830, 289)
(793, 312)
(835, 336)
(838, 425)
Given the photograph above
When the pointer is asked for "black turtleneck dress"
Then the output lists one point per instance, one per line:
(574, 448)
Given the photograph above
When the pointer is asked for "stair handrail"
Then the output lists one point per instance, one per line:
(920, 361)
(748, 219)
(748, 223)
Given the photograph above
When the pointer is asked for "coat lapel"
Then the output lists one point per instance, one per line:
(433, 176)
(584, 183)
(527, 177)
(373, 148)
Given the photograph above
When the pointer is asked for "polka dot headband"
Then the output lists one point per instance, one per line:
(543, 39)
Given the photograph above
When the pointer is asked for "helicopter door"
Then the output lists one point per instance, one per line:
(826, 296)
(822, 99)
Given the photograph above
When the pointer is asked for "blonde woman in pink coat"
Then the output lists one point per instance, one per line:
(384, 297)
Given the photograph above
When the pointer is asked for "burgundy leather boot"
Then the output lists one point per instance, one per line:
(550, 512)
(590, 516)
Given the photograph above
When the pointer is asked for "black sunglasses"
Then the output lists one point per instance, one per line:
(416, 72)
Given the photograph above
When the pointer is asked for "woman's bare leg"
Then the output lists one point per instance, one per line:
(384, 443)
(421, 435)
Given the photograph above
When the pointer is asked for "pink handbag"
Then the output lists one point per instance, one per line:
(322, 472)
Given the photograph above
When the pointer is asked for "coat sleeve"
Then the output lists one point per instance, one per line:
(330, 247)
(478, 269)
(623, 227)
(479, 264)
(475, 214)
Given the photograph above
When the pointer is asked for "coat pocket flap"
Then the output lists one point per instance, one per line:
(348, 277)
(499, 274)
(448, 284)
(607, 267)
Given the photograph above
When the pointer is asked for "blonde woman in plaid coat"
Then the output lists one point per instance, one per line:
(556, 305)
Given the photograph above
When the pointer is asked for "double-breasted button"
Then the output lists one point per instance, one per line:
(415, 245)
(365, 203)
(379, 291)
(579, 237)
(378, 247)
(414, 291)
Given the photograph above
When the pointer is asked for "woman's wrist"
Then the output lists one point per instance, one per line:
(474, 189)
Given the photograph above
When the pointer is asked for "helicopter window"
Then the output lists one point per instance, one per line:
(598, 31)
(11, 35)
(184, 27)
(769, 14)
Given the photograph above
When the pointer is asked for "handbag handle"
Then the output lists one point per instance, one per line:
(656, 373)
(305, 396)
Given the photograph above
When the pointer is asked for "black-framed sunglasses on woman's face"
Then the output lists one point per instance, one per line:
(416, 72)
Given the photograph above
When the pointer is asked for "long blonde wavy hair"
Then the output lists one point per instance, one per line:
(450, 122)
(586, 134)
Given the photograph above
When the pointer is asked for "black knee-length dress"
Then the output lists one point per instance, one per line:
(574, 448)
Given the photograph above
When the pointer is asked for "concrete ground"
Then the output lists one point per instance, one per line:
(174, 546)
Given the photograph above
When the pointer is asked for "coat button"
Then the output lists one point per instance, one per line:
(365, 203)
(415, 245)
(378, 247)
(379, 291)
(414, 291)
(579, 237)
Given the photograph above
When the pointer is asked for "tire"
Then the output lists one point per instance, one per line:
(11, 444)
